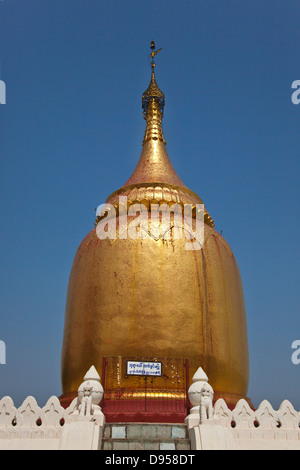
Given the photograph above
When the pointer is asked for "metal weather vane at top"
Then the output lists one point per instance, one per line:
(153, 53)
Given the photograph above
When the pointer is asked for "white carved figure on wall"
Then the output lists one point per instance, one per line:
(85, 407)
(90, 394)
(206, 403)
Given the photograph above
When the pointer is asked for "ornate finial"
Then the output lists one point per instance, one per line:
(153, 92)
(152, 47)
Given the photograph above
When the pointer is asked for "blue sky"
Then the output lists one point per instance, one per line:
(71, 133)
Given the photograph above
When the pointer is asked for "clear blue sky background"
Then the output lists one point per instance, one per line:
(71, 133)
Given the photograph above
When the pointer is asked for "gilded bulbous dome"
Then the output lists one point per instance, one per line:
(151, 296)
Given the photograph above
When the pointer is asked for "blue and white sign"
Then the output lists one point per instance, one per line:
(143, 368)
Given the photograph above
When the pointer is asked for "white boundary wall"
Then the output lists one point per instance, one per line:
(52, 427)
(246, 429)
(49, 428)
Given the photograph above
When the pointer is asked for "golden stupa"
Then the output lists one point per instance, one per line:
(149, 297)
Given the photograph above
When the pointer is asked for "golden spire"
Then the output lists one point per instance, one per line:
(153, 102)
(153, 92)
(154, 164)
(154, 178)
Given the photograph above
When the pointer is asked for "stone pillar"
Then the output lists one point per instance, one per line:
(85, 421)
(201, 397)
(205, 431)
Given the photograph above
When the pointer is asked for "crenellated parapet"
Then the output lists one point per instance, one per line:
(210, 426)
(240, 428)
(53, 427)
(24, 426)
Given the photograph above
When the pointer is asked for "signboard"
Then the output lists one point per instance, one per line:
(143, 368)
